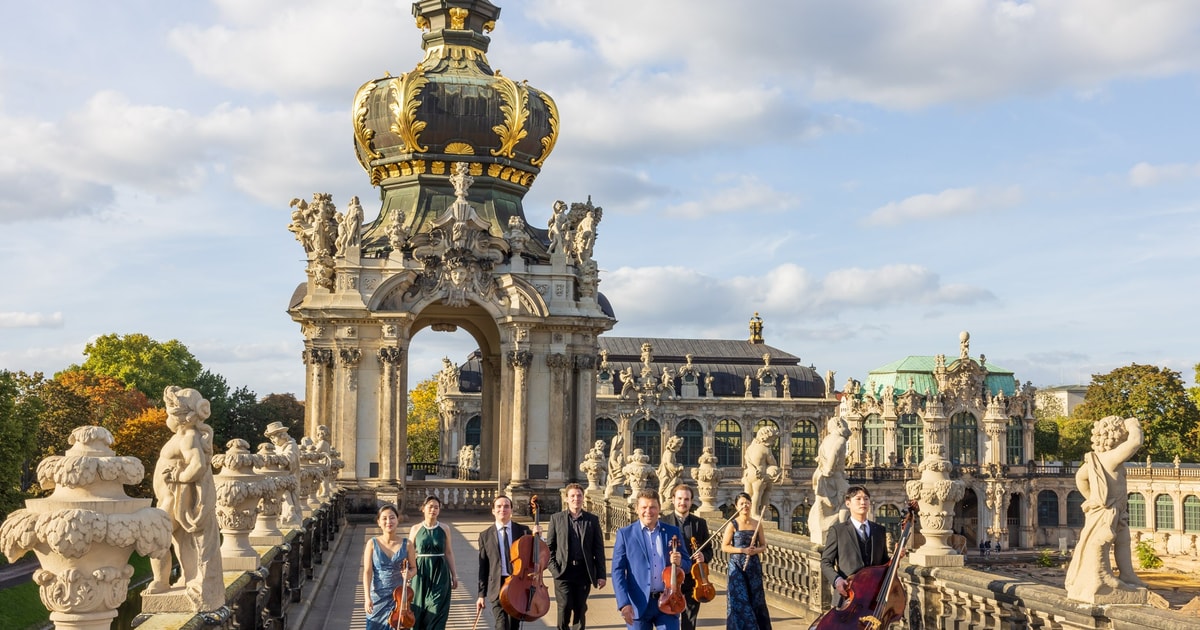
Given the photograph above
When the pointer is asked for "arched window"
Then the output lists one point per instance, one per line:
(889, 516)
(964, 447)
(648, 436)
(1016, 441)
(471, 431)
(910, 433)
(805, 440)
(605, 429)
(1164, 512)
(1075, 509)
(1047, 509)
(728, 442)
(693, 441)
(772, 515)
(1191, 513)
(1137, 510)
(769, 423)
(800, 519)
(873, 438)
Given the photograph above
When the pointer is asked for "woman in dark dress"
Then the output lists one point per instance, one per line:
(382, 558)
(746, 601)
(429, 550)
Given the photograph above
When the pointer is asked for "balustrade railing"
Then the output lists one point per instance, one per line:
(419, 470)
(454, 495)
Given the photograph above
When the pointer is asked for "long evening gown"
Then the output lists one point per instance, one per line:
(385, 577)
(431, 588)
(746, 602)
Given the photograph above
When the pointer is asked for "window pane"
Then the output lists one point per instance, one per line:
(1191, 514)
(648, 437)
(1164, 513)
(910, 434)
(873, 438)
(693, 441)
(1075, 509)
(728, 443)
(1047, 509)
(1015, 450)
(1137, 510)
(964, 447)
(805, 440)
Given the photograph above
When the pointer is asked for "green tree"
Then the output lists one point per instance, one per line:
(1074, 438)
(147, 365)
(243, 420)
(1153, 395)
(19, 411)
(215, 390)
(282, 408)
(424, 422)
(1049, 414)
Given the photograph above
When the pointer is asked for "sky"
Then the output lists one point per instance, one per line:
(871, 177)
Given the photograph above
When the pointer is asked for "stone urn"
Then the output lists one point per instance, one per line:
(85, 531)
(239, 490)
(638, 473)
(277, 481)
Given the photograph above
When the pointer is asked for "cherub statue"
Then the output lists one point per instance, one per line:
(669, 471)
(762, 471)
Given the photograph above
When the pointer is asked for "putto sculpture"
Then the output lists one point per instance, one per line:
(762, 471)
(829, 480)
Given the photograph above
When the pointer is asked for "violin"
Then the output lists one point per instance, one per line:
(525, 596)
(703, 591)
(402, 615)
(671, 601)
(877, 598)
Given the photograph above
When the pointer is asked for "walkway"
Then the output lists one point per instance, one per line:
(337, 603)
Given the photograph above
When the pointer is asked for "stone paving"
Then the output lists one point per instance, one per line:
(338, 601)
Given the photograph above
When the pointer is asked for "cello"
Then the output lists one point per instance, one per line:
(671, 600)
(876, 598)
(525, 596)
(402, 615)
(703, 591)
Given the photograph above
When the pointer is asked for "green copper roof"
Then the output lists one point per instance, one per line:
(920, 370)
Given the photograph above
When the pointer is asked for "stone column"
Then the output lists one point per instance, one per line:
(519, 361)
(239, 490)
(390, 357)
(584, 391)
(345, 418)
(995, 426)
(561, 445)
(936, 493)
(85, 531)
(316, 407)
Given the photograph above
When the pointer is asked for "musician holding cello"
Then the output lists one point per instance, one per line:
(495, 565)
(645, 566)
(852, 544)
(576, 545)
(693, 528)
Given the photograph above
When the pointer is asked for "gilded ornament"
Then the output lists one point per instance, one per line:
(422, 22)
(458, 18)
(489, 26)
(364, 137)
(459, 148)
(405, 89)
(475, 169)
(438, 168)
(549, 141)
(494, 170)
(516, 112)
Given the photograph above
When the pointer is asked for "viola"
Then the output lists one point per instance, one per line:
(877, 599)
(671, 600)
(525, 596)
(402, 615)
(703, 591)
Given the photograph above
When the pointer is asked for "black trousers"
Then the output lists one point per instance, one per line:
(503, 621)
(687, 619)
(571, 594)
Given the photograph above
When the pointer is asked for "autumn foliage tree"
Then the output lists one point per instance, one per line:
(1157, 398)
(78, 397)
(143, 437)
(424, 422)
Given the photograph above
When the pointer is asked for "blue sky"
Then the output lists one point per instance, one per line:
(872, 179)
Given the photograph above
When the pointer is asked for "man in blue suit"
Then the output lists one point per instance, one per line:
(640, 554)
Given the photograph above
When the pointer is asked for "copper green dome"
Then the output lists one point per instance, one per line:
(451, 107)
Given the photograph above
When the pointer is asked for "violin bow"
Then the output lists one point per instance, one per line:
(761, 514)
(478, 614)
(716, 533)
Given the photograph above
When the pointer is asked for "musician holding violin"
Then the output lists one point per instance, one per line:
(693, 528)
(647, 570)
(382, 559)
(745, 541)
(495, 563)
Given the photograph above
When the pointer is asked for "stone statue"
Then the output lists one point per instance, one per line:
(908, 456)
(322, 446)
(749, 392)
(475, 454)
(616, 462)
(585, 236)
(669, 472)
(626, 382)
(762, 471)
(829, 480)
(787, 386)
(286, 446)
(829, 383)
(448, 378)
(397, 235)
(349, 225)
(593, 466)
(1176, 461)
(667, 383)
(637, 472)
(1101, 479)
(184, 486)
(708, 384)
(558, 228)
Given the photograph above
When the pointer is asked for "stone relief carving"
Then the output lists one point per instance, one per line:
(616, 465)
(315, 227)
(348, 227)
(186, 491)
(638, 472)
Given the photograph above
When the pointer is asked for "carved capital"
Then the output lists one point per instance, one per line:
(350, 356)
(318, 356)
(557, 361)
(76, 591)
(391, 355)
(520, 358)
(585, 362)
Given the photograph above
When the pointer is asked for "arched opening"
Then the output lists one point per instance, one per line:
(1191, 513)
(648, 436)
(1047, 507)
(910, 438)
(471, 431)
(604, 430)
(1015, 442)
(889, 516)
(1164, 513)
(767, 423)
(800, 519)
(727, 441)
(872, 439)
(1137, 510)
(692, 434)
(444, 380)
(1075, 509)
(964, 443)
(805, 440)
(1013, 520)
(966, 520)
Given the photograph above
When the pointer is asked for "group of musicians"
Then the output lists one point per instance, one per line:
(641, 553)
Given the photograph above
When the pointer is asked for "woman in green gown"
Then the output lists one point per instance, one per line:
(429, 550)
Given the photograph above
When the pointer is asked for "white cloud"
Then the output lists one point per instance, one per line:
(748, 194)
(13, 319)
(1144, 174)
(948, 203)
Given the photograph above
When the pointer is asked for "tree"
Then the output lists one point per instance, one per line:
(282, 408)
(1049, 415)
(243, 420)
(19, 411)
(215, 390)
(78, 397)
(424, 422)
(143, 437)
(146, 364)
(1153, 395)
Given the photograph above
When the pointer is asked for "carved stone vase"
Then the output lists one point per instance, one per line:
(84, 532)
(239, 491)
(277, 483)
(936, 493)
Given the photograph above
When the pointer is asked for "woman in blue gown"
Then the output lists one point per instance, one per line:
(744, 540)
(382, 559)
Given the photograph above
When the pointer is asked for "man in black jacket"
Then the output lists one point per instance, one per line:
(852, 544)
(576, 559)
(495, 567)
(693, 528)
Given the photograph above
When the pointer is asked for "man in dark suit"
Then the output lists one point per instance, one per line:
(693, 528)
(852, 544)
(576, 559)
(640, 554)
(495, 567)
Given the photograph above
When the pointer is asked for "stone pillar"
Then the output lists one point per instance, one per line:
(390, 357)
(519, 361)
(584, 391)
(345, 417)
(85, 531)
(561, 445)
(935, 493)
(995, 426)
(317, 406)
(239, 490)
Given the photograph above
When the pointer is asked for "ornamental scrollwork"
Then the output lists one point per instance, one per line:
(364, 137)
(350, 356)
(520, 358)
(516, 111)
(551, 139)
(391, 355)
(405, 89)
(76, 591)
